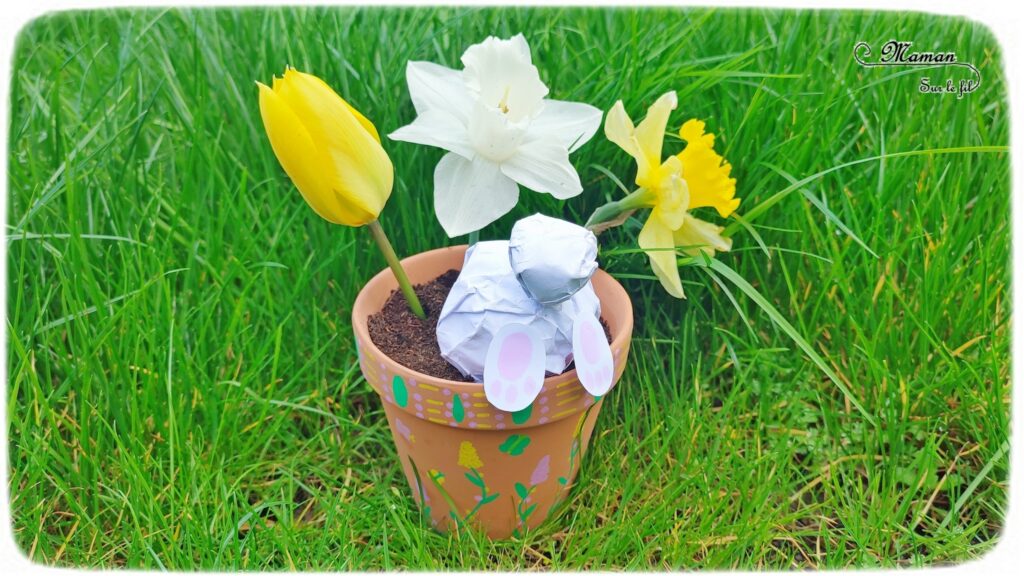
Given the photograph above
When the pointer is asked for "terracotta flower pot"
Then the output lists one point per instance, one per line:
(466, 461)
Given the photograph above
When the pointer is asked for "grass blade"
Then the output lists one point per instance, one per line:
(782, 323)
(781, 194)
(829, 215)
(974, 484)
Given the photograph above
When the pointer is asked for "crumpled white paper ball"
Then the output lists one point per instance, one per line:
(552, 258)
(487, 296)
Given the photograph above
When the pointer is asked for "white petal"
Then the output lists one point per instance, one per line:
(543, 166)
(502, 75)
(435, 127)
(570, 123)
(469, 195)
(432, 86)
(492, 135)
(519, 43)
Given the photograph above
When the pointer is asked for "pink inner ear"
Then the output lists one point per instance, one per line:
(590, 342)
(514, 356)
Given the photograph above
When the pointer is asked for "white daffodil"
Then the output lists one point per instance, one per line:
(499, 129)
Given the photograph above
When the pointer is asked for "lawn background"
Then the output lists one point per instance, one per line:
(183, 390)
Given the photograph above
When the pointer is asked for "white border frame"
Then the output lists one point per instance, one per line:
(1004, 19)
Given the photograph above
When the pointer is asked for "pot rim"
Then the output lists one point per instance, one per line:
(360, 324)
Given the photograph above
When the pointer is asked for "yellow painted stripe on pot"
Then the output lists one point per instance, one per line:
(570, 391)
(428, 387)
(483, 426)
(437, 420)
(568, 400)
(480, 405)
(435, 402)
(564, 413)
(564, 384)
(478, 394)
(483, 414)
(433, 410)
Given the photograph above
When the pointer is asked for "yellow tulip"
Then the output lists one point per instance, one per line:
(331, 152)
(697, 177)
(333, 155)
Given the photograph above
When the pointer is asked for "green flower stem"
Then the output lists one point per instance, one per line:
(403, 281)
(483, 496)
(474, 237)
(615, 213)
(523, 515)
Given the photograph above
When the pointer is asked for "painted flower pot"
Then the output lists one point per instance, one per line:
(467, 462)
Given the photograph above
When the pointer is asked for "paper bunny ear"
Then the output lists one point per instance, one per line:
(514, 368)
(592, 355)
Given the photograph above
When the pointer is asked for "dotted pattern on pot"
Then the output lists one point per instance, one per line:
(455, 407)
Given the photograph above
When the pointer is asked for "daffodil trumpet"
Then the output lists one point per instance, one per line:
(333, 155)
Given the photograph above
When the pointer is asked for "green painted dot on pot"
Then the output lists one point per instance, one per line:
(400, 391)
(458, 412)
(523, 415)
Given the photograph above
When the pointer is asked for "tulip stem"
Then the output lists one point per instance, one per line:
(396, 267)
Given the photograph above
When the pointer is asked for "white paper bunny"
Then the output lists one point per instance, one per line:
(525, 307)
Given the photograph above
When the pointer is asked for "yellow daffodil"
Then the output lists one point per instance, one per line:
(697, 177)
(330, 151)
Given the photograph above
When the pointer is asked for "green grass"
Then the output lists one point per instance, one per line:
(183, 389)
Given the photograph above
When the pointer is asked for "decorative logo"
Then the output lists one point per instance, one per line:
(898, 53)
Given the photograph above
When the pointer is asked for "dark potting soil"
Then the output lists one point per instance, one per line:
(412, 342)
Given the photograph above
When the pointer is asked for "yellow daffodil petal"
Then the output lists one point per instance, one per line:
(672, 195)
(302, 161)
(619, 129)
(642, 142)
(696, 236)
(650, 133)
(358, 169)
(656, 239)
(706, 172)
